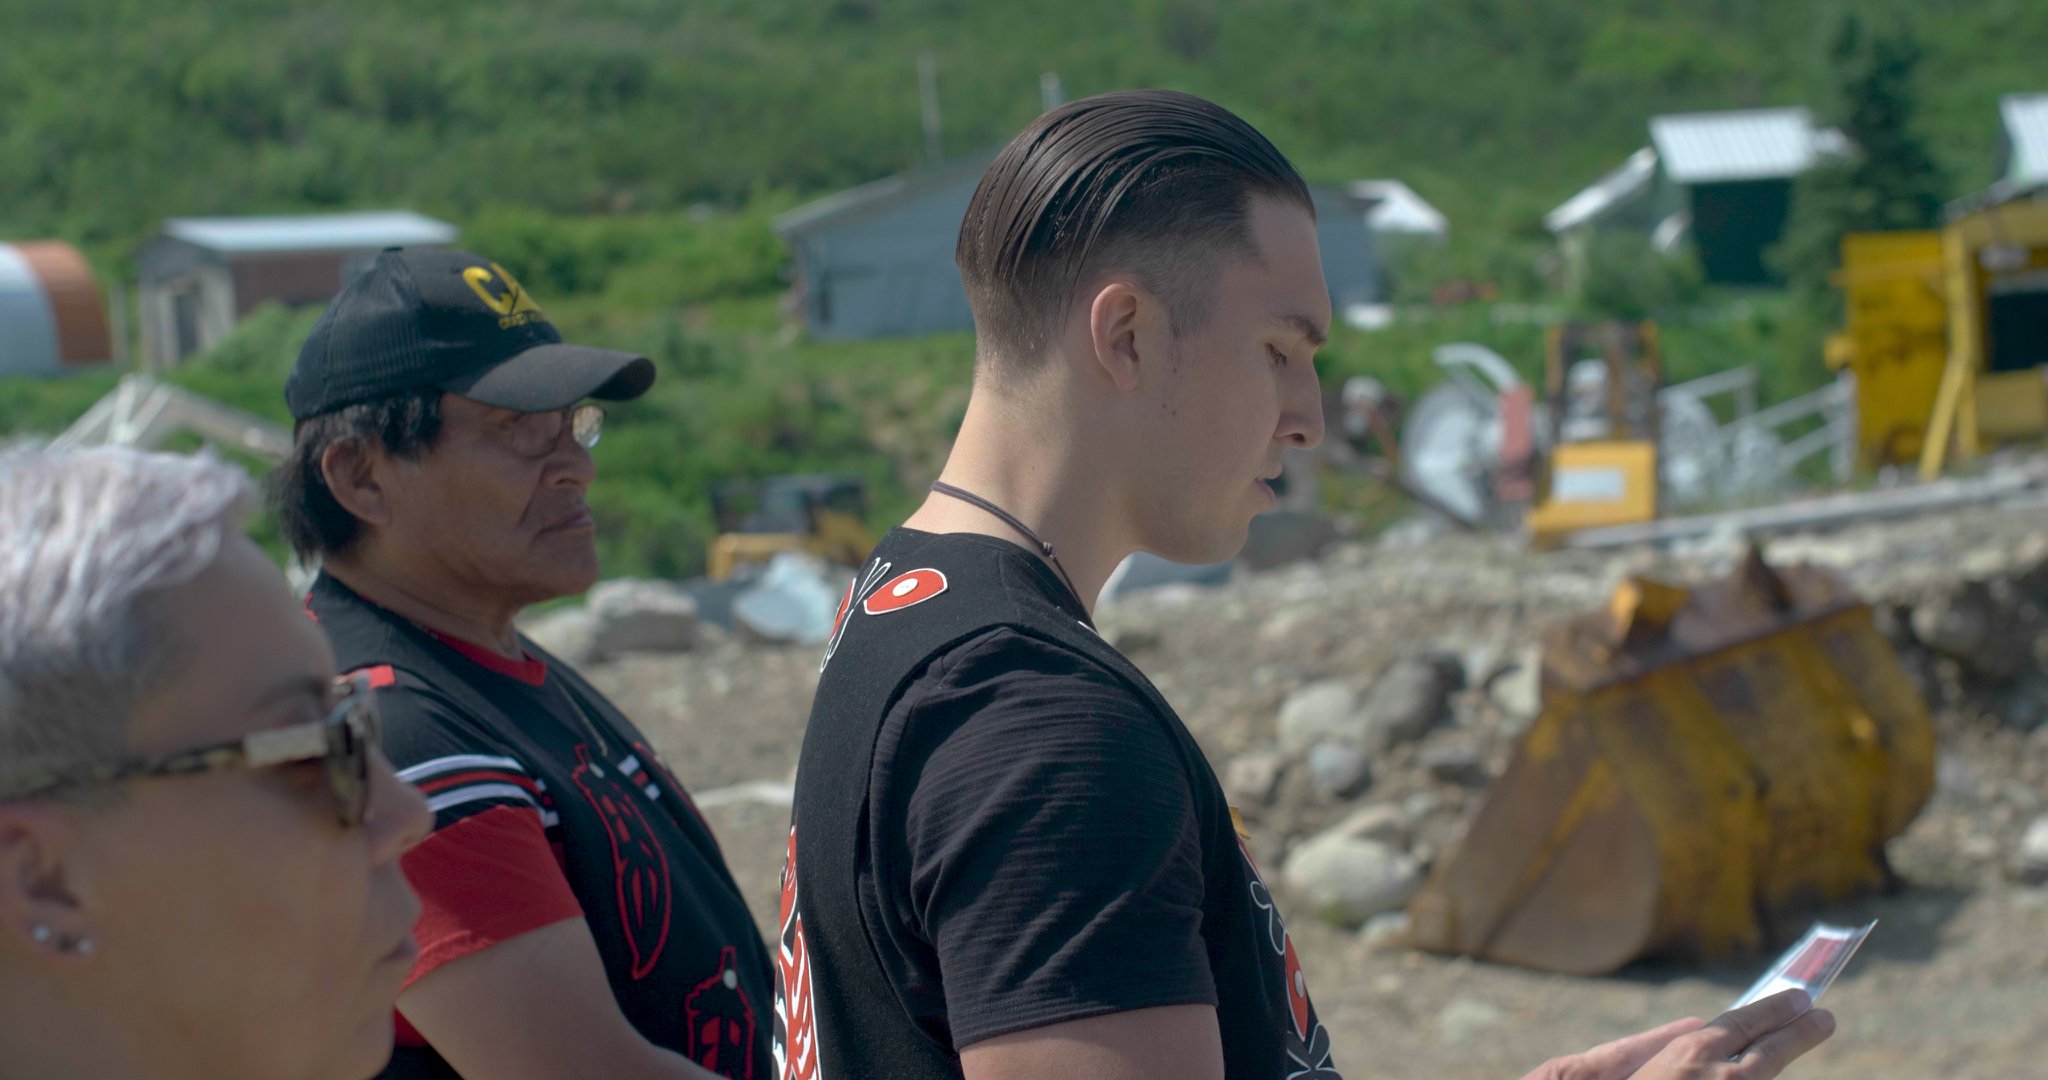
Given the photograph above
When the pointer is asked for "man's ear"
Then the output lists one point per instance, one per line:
(350, 470)
(40, 905)
(1125, 324)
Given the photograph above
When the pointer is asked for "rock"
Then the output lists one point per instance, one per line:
(1968, 626)
(568, 633)
(1464, 1019)
(1482, 664)
(1346, 881)
(1457, 765)
(1164, 583)
(1385, 931)
(796, 599)
(1956, 778)
(1317, 712)
(1132, 640)
(1421, 806)
(1518, 688)
(1286, 536)
(2030, 861)
(1411, 534)
(1407, 699)
(2027, 706)
(1288, 626)
(1338, 770)
(1382, 822)
(638, 615)
(1252, 779)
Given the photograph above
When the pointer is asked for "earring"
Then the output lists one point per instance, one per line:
(41, 934)
(82, 946)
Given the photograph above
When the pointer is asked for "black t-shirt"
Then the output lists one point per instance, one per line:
(548, 804)
(1037, 837)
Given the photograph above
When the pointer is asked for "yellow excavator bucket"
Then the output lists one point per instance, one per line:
(1708, 765)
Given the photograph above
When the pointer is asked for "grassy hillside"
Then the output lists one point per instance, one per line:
(119, 112)
(624, 157)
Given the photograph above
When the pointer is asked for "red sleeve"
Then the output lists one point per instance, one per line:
(487, 878)
(484, 879)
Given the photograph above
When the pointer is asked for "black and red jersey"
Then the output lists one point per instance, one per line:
(1000, 825)
(548, 804)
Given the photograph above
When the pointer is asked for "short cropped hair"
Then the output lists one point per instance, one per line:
(1153, 182)
(313, 522)
(91, 541)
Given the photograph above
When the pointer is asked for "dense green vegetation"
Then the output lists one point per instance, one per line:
(625, 157)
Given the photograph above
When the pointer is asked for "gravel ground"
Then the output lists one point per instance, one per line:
(1954, 983)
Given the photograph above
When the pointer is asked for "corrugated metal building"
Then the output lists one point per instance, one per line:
(200, 276)
(1723, 179)
(1394, 209)
(876, 261)
(2025, 145)
(52, 321)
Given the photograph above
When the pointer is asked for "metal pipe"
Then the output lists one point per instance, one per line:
(1832, 510)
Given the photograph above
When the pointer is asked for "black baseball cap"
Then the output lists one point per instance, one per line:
(433, 317)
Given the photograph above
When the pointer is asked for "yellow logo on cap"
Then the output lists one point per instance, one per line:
(503, 294)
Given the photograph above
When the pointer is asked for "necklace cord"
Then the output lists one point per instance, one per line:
(1044, 547)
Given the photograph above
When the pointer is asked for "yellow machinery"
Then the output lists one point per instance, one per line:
(1947, 334)
(1602, 465)
(819, 515)
(1708, 764)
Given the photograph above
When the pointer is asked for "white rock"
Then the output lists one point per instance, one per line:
(1252, 779)
(1384, 931)
(1467, 1018)
(1421, 806)
(1346, 880)
(1383, 822)
(569, 633)
(2030, 862)
(1318, 712)
(1518, 688)
(637, 615)
(1288, 626)
(794, 600)
(1338, 770)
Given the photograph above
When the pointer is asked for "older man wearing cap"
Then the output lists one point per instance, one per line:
(578, 919)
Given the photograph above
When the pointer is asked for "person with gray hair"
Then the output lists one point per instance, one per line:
(199, 839)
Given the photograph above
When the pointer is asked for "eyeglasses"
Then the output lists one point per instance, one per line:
(341, 742)
(534, 435)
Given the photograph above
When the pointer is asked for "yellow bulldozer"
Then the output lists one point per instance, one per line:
(1946, 332)
(815, 514)
(1708, 765)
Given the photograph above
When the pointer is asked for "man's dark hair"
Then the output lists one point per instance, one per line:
(1152, 181)
(312, 521)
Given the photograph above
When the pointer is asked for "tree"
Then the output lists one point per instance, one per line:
(1885, 180)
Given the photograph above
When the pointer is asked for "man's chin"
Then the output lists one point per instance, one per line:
(1220, 546)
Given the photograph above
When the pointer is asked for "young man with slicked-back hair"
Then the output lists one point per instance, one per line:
(1008, 858)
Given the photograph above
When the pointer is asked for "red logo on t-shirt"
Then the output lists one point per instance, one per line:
(905, 590)
(721, 1022)
(1308, 1045)
(796, 1024)
(639, 866)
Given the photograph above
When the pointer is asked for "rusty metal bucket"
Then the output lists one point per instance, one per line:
(1708, 765)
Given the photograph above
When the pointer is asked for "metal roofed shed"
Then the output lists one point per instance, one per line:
(52, 320)
(201, 276)
(1393, 208)
(1750, 144)
(1724, 179)
(2025, 142)
(876, 261)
